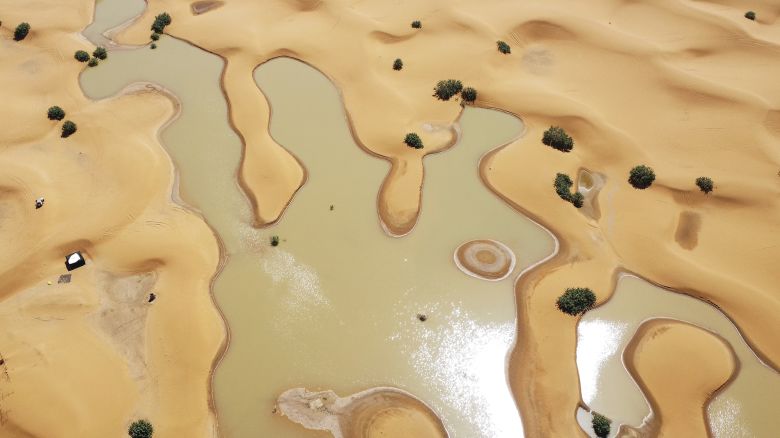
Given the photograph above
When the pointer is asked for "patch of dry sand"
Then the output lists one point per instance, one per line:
(86, 358)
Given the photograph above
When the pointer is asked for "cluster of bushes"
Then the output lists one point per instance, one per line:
(140, 429)
(57, 113)
(641, 177)
(601, 425)
(503, 47)
(557, 138)
(160, 22)
(21, 31)
(398, 64)
(413, 141)
(416, 24)
(447, 89)
(563, 185)
(576, 301)
(98, 54)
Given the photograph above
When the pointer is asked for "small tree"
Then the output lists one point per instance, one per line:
(154, 36)
(274, 240)
(81, 56)
(577, 199)
(705, 184)
(557, 138)
(576, 301)
(398, 64)
(563, 185)
(160, 22)
(469, 95)
(100, 53)
(601, 425)
(750, 15)
(55, 113)
(153, 46)
(93, 62)
(140, 429)
(504, 47)
(21, 31)
(68, 128)
(641, 177)
(413, 140)
(416, 24)
(444, 90)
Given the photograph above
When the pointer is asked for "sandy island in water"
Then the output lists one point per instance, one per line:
(686, 87)
(485, 259)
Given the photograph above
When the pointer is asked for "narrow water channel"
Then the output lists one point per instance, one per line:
(335, 305)
(746, 408)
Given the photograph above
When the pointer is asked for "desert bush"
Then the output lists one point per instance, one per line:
(140, 429)
(557, 138)
(469, 95)
(504, 47)
(21, 31)
(81, 56)
(153, 46)
(413, 140)
(705, 184)
(750, 15)
(575, 301)
(100, 53)
(416, 24)
(398, 64)
(601, 425)
(154, 36)
(55, 113)
(444, 90)
(160, 22)
(93, 62)
(68, 128)
(274, 240)
(641, 177)
(563, 185)
(577, 199)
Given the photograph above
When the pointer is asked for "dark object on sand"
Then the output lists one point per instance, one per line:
(74, 260)
(64, 278)
(422, 317)
(152, 297)
(274, 240)
(39, 202)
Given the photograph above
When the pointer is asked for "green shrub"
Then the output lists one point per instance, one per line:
(160, 22)
(68, 128)
(469, 95)
(413, 140)
(93, 62)
(563, 185)
(504, 47)
(705, 184)
(81, 56)
(444, 90)
(153, 46)
(398, 64)
(641, 177)
(55, 113)
(155, 36)
(274, 240)
(557, 138)
(601, 425)
(140, 429)
(576, 301)
(416, 24)
(750, 15)
(100, 53)
(21, 31)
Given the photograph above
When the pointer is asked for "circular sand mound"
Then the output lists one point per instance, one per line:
(485, 259)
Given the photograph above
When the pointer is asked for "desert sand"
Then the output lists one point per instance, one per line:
(686, 87)
(679, 367)
(86, 358)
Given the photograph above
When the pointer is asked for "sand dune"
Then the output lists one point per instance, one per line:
(68, 346)
(686, 87)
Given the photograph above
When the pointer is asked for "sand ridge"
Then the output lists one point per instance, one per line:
(108, 191)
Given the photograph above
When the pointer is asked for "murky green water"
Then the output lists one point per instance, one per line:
(746, 408)
(335, 304)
